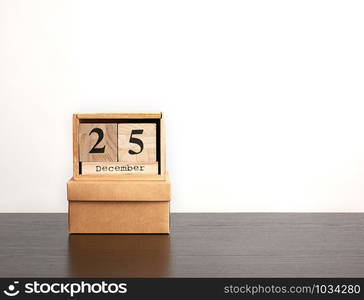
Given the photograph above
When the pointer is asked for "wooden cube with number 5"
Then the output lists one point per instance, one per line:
(137, 142)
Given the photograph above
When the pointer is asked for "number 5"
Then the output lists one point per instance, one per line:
(137, 141)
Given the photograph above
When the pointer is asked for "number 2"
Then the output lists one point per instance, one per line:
(137, 141)
(101, 136)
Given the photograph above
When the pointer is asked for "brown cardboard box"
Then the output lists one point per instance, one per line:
(135, 206)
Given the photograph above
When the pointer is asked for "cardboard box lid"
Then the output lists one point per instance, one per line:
(123, 190)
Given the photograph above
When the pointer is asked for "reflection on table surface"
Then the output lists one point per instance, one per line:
(119, 255)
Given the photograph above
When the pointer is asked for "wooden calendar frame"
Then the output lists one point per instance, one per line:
(123, 118)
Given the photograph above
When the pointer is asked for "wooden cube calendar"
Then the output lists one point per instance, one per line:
(120, 183)
(110, 146)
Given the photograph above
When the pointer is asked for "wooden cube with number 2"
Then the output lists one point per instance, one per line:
(98, 142)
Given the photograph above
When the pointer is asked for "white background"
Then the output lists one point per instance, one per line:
(264, 99)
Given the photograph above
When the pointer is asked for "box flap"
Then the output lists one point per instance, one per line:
(105, 190)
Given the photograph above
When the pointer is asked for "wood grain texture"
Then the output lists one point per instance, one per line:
(88, 139)
(148, 138)
(120, 115)
(163, 160)
(200, 245)
(76, 170)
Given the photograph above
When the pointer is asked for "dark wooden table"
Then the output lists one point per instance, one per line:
(200, 245)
